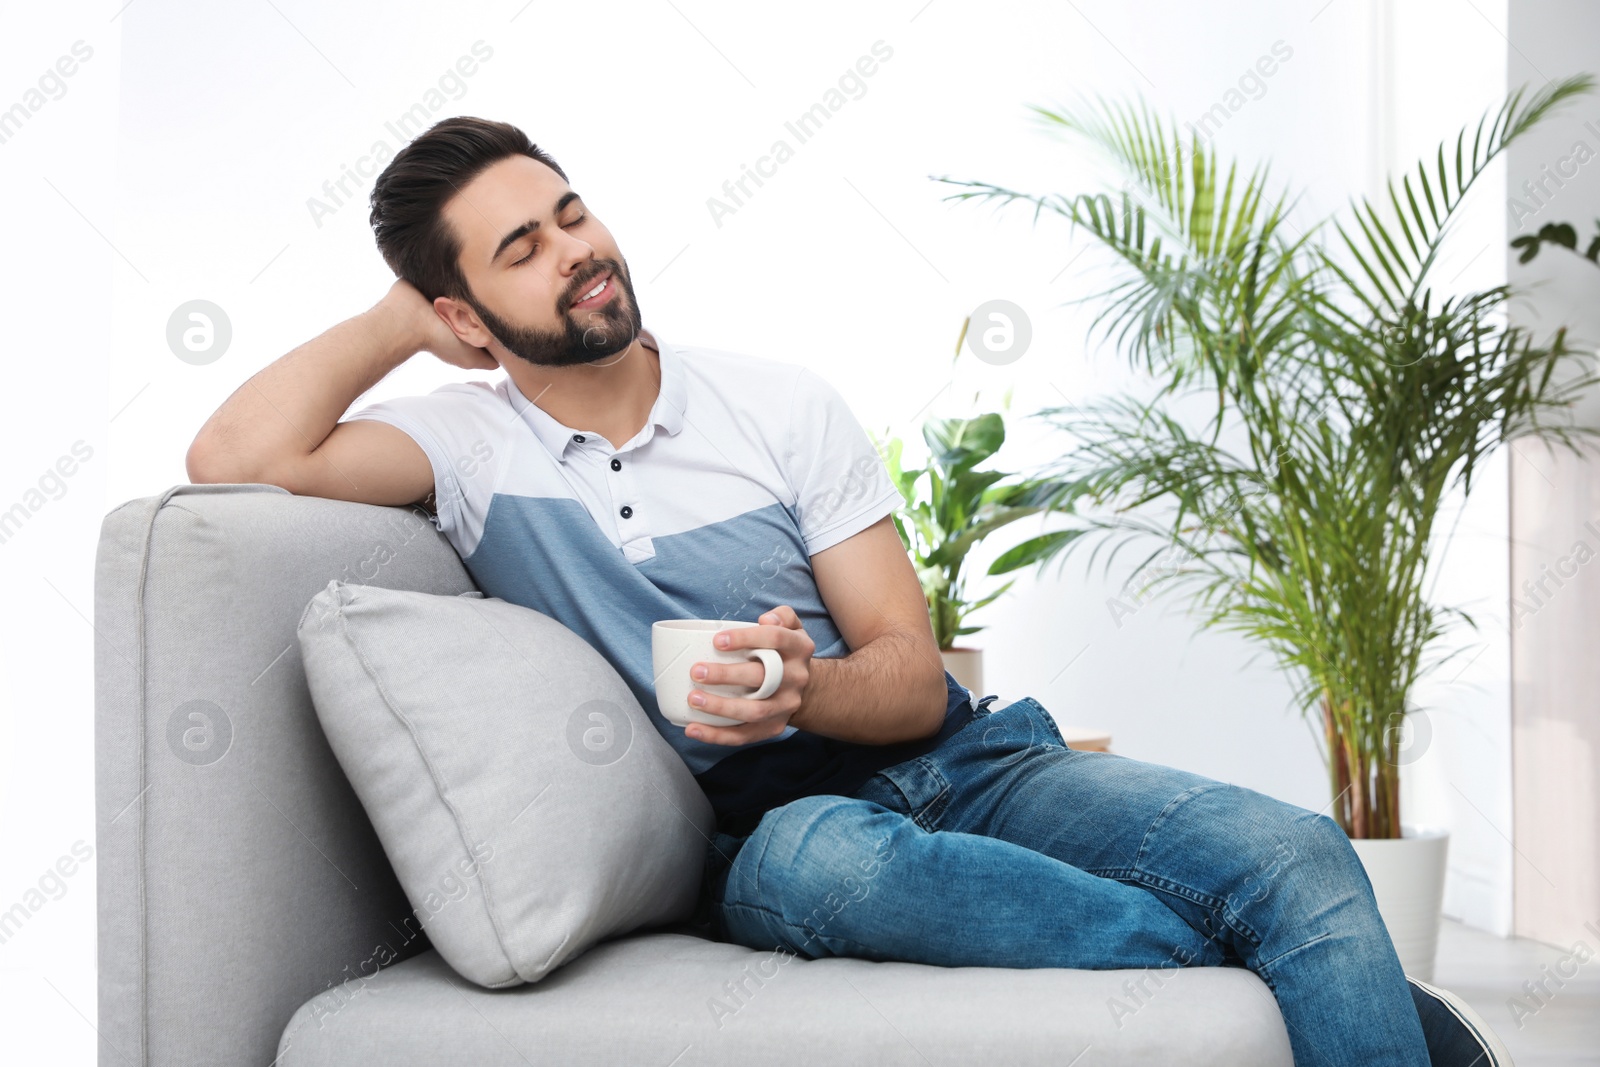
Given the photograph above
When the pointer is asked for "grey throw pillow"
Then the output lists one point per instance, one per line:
(525, 801)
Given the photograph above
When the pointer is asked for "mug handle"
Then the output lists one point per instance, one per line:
(772, 661)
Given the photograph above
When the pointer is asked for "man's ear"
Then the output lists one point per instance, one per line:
(465, 322)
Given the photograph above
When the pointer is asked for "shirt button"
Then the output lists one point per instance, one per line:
(578, 437)
(616, 464)
(627, 512)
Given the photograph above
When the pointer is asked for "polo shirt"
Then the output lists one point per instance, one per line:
(745, 469)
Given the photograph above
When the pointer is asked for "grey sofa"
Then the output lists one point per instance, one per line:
(248, 915)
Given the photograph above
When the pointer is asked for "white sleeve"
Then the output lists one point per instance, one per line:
(840, 483)
(424, 420)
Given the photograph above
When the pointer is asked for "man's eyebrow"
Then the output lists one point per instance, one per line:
(532, 225)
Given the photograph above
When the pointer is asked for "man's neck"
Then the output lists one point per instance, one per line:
(611, 396)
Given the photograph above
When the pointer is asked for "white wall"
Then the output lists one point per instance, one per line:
(181, 160)
(57, 184)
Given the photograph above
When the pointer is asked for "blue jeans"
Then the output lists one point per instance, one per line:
(1003, 847)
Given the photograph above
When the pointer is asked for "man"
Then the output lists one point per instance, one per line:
(869, 807)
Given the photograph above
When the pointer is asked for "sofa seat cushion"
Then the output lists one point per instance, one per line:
(673, 1000)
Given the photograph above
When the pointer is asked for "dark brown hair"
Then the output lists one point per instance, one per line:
(409, 196)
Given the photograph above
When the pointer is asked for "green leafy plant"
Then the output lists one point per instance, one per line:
(1315, 401)
(950, 506)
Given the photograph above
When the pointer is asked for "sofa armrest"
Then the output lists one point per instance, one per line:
(238, 874)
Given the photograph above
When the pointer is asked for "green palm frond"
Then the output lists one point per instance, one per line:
(1348, 399)
(1396, 249)
(1215, 267)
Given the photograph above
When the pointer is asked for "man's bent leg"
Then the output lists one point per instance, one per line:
(836, 876)
(1277, 884)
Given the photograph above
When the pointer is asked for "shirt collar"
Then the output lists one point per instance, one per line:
(667, 412)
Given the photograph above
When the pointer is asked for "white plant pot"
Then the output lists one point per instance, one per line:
(1407, 875)
(966, 666)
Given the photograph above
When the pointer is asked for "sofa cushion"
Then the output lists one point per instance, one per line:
(526, 803)
(667, 998)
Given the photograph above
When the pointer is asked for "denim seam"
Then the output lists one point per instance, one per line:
(755, 874)
(1232, 919)
(928, 815)
(1162, 815)
(1236, 921)
(1229, 917)
(800, 934)
(923, 814)
(729, 905)
(804, 935)
(855, 948)
(1217, 905)
(1153, 881)
(1262, 965)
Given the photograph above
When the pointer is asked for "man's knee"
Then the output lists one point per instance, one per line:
(807, 855)
(1287, 851)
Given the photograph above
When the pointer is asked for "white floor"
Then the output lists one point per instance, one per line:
(1489, 971)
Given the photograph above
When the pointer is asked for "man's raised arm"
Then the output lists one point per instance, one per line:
(281, 427)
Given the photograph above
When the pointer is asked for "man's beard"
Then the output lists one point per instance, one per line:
(584, 337)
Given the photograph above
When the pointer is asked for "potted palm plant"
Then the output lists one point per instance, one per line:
(1315, 401)
(949, 507)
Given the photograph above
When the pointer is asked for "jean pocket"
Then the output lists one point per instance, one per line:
(1043, 719)
(1010, 733)
(914, 788)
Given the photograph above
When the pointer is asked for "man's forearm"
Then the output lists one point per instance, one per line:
(288, 408)
(890, 689)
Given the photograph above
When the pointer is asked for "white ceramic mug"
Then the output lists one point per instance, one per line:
(678, 644)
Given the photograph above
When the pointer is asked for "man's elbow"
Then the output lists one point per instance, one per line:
(206, 463)
(938, 699)
(198, 465)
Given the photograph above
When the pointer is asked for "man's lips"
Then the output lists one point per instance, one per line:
(602, 296)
